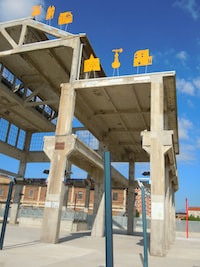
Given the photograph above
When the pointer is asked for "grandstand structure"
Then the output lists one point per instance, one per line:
(43, 87)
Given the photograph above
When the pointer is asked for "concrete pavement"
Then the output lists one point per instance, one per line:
(22, 247)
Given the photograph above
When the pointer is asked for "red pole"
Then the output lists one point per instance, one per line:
(186, 217)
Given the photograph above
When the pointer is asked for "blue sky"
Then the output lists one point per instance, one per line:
(171, 30)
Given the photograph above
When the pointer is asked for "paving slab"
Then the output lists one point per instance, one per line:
(22, 247)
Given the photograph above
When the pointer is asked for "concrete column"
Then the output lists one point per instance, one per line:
(67, 177)
(87, 197)
(18, 188)
(157, 169)
(131, 199)
(57, 149)
(76, 59)
(99, 209)
(38, 196)
(167, 206)
(72, 196)
(157, 244)
(65, 200)
(172, 214)
(124, 200)
(157, 142)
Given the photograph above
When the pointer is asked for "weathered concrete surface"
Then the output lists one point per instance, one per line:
(23, 248)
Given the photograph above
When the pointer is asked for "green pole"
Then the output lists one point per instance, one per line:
(144, 224)
(108, 210)
(3, 228)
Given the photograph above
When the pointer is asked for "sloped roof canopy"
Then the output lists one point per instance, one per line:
(40, 58)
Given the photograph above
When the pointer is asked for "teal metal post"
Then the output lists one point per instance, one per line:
(3, 228)
(108, 210)
(144, 224)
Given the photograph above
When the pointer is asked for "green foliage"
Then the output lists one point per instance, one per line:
(137, 214)
(192, 218)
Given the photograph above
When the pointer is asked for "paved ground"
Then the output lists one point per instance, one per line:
(22, 248)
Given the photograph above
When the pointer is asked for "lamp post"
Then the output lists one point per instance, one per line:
(144, 224)
(186, 219)
(3, 229)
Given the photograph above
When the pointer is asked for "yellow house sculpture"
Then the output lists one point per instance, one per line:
(65, 18)
(142, 58)
(92, 64)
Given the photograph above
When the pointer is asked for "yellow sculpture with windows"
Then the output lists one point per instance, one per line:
(65, 18)
(142, 58)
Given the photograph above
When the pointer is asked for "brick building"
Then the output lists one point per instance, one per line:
(79, 195)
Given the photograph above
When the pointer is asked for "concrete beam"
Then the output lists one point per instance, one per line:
(79, 154)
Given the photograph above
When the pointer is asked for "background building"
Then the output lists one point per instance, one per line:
(79, 196)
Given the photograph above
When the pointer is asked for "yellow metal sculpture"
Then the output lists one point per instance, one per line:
(142, 58)
(116, 63)
(50, 12)
(65, 18)
(92, 64)
(36, 11)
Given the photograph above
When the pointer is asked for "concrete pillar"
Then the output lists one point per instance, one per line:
(65, 200)
(39, 194)
(157, 170)
(124, 200)
(167, 206)
(76, 60)
(99, 208)
(172, 214)
(131, 199)
(16, 204)
(72, 196)
(87, 197)
(57, 150)
(157, 143)
(67, 177)
(18, 188)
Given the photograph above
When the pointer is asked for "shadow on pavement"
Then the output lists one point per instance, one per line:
(73, 236)
(26, 244)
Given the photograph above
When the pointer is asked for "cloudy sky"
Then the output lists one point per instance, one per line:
(171, 30)
(12, 9)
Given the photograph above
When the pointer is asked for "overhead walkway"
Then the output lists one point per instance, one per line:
(79, 154)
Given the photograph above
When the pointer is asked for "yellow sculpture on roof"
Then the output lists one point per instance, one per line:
(50, 12)
(142, 58)
(116, 63)
(65, 18)
(92, 64)
(36, 11)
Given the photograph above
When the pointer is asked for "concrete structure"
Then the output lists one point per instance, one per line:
(134, 117)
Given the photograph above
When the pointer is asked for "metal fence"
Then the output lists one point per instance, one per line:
(119, 222)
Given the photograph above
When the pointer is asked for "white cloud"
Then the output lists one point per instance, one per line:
(182, 55)
(186, 153)
(191, 87)
(15, 9)
(190, 6)
(186, 87)
(198, 142)
(184, 127)
(196, 82)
